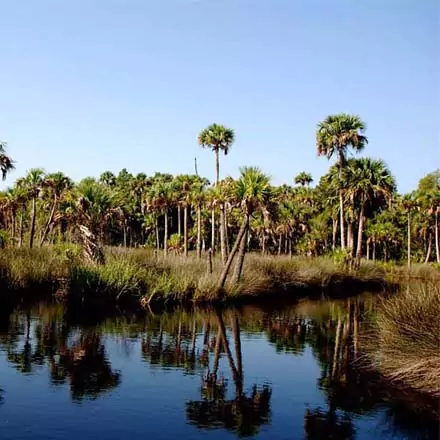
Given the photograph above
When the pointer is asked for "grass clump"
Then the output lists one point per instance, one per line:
(405, 342)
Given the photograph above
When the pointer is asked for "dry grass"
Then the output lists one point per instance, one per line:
(142, 273)
(405, 343)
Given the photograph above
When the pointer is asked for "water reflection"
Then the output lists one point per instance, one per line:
(209, 344)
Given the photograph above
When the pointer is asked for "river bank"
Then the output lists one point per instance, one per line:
(142, 275)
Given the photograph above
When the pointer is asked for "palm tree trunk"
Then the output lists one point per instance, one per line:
(227, 267)
(185, 230)
(21, 231)
(222, 235)
(409, 239)
(213, 231)
(217, 167)
(437, 243)
(165, 234)
(199, 231)
(341, 219)
(428, 253)
(350, 237)
(290, 246)
(124, 229)
(280, 240)
(368, 249)
(13, 229)
(179, 221)
(225, 212)
(34, 215)
(240, 260)
(335, 231)
(157, 233)
(49, 222)
(374, 250)
(360, 234)
(263, 245)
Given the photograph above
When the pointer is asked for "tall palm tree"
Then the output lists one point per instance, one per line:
(33, 184)
(303, 179)
(6, 163)
(369, 182)
(217, 138)
(253, 191)
(335, 136)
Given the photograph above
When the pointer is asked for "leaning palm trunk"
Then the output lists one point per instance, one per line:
(222, 235)
(227, 267)
(240, 260)
(199, 231)
(34, 215)
(49, 222)
(92, 249)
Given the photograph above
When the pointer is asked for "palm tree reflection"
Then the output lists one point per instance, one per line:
(243, 414)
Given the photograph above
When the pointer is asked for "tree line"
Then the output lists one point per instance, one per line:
(354, 209)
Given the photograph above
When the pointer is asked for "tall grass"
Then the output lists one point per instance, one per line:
(144, 274)
(405, 342)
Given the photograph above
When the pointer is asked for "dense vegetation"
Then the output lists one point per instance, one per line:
(354, 207)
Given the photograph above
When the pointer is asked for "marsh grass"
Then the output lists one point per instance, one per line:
(141, 273)
(404, 344)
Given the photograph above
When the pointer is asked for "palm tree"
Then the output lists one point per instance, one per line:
(335, 136)
(55, 185)
(303, 179)
(217, 137)
(6, 163)
(253, 191)
(33, 183)
(10, 204)
(369, 181)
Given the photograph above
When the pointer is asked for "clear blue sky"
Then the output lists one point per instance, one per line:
(94, 85)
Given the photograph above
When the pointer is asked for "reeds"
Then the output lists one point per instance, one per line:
(144, 274)
(405, 342)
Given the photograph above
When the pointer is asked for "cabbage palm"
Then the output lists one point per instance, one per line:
(335, 136)
(369, 182)
(303, 179)
(253, 192)
(217, 138)
(55, 185)
(33, 183)
(6, 163)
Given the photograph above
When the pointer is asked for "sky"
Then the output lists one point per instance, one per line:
(94, 85)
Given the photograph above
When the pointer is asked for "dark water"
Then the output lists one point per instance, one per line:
(274, 374)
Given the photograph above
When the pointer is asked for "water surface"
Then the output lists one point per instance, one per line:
(266, 373)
